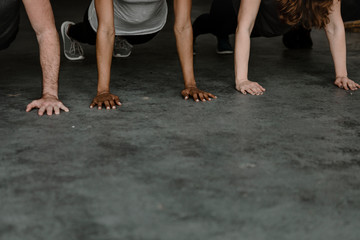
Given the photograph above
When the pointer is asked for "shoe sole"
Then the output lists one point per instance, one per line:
(121, 56)
(224, 52)
(63, 38)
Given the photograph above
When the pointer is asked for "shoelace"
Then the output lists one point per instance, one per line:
(76, 48)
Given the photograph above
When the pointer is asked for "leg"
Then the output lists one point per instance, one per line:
(124, 44)
(73, 33)
(9, 22)
(223, 17)
(83, 32)
(202, 25)
(221, 22)
(224, 20)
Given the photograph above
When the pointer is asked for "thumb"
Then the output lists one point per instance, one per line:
(30, 106)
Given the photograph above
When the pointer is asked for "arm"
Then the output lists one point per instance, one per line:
(42, 20)
(335, 33)
(184, 42)
(247, 15)
(104, 49)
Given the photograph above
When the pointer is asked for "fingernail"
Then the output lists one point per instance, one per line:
(114, 107)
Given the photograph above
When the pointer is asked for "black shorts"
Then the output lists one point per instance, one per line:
(9, 21)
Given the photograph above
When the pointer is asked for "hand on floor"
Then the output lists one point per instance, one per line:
(346, 83)
(47, 103)
(247, 86)
(197, 94)
(109, 100)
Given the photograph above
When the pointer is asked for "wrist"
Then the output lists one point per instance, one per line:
(190, 86)
(102, 92)
(49, 94)
(189, 81)
(241, 80)
(102, 89)
(48, 91)
(341, 76)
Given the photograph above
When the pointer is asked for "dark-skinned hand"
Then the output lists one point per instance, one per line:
(197, 94)
(109, 100)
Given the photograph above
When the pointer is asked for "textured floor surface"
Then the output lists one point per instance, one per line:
(285, 165)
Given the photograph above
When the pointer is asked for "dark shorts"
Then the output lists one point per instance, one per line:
(9, 21)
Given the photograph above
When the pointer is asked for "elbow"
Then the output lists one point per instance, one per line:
(335, 29)
(182, 28)
(107, 31)
(106, 34)
(243, 31)
(47, 33)
(245, 28)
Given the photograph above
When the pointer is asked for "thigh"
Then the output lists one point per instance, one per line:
(9, 21)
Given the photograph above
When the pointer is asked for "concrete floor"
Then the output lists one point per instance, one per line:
(284, 165)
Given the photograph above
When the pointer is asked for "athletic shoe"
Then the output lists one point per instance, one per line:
(122, 48)
(72, 49)
(224, 46)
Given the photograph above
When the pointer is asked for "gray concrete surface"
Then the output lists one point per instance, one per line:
(284, 165)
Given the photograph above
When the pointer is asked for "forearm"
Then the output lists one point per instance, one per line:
(184, 43)
(242, 55)
(104, 49)
(184, 40)
(337, 42)
(42, 20)
(49, 47)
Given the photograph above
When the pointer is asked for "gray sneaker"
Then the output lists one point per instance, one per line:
(121, 47)
(72, 49)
